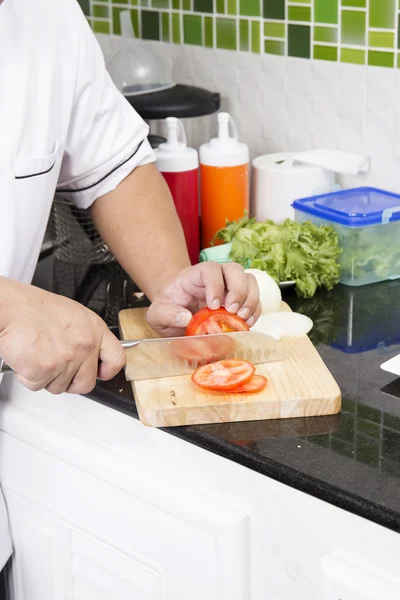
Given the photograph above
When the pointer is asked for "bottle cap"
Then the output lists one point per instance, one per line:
(224, 151)
(174, 156)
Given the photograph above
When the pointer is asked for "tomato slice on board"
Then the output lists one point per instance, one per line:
(223, 375)
(207, 321)
(255, 384)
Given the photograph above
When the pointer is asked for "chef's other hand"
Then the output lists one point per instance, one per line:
(207, 284)
(54, 343)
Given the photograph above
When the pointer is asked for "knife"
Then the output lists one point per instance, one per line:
(168, 357)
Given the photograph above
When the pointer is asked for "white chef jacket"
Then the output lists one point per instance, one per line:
(63, 125)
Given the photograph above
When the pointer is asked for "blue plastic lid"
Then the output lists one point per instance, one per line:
(354, 208)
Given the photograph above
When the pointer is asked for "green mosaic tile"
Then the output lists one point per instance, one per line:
(160, 3)
(326, 53)
(250, 8)
(299, 28)
(274, 47)
(100, 12)
(85, 6)
(256, 37)
(232, 7)
(350, 55)
(382, 13)
(353, 27)
(244, 37)
(176, 28)
(274, 9)
(380, 59)
(101, 27)
(135, 21)
(226, 33)
(274, 29)
(208, 32)
(381, 39)
(116, 25)
(355, 3)
(325, 34)
(192, 30)
(165, 27)
(398, 31)
(150, 25)
(299, 13)
(326, 11)
(299, 43)
(203, 6)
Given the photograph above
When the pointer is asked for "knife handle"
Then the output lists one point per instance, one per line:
(4, 368)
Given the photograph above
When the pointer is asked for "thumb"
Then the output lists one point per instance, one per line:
(168, 318)
(111, 358)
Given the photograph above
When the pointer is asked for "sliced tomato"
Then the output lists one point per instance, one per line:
(223, 375)
(207, 321)
(255, 384)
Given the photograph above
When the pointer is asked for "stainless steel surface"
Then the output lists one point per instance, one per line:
(168, 357)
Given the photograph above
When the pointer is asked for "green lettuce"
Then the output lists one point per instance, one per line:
(302, 252)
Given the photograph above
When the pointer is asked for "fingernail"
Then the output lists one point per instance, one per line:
(251, 321)
(182, 319)
(244, 313)
(233, 308)
(215, 304)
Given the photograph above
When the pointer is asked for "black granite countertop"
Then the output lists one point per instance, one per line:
(351, 460)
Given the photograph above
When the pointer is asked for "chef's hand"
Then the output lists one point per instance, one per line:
(54, 343)
(206, 284)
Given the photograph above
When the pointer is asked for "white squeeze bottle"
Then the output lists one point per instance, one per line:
(224, 177)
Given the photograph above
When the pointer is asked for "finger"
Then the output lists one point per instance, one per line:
(61, 383)
(84, 380)
(112, 356)
(39, 376)
(255, 316)
(237, 286)
(253, 297)
(167, 318)
(214, 284)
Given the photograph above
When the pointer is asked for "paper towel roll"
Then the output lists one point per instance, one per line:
(278, 181)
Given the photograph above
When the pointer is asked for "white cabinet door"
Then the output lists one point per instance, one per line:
(78, 537)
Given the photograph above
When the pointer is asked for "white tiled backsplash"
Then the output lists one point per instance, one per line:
(286, 104)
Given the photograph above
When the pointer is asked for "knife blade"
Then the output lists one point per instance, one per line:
(169, 357)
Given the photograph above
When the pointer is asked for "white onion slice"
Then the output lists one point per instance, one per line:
(281, 324)
(269, 290)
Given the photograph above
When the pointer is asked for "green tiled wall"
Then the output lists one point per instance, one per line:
(351, 31)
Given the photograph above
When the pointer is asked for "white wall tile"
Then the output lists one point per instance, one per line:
(287, 104)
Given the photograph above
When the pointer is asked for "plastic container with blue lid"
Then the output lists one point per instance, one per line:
(367, 221)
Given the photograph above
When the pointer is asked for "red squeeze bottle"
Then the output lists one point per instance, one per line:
(180, 167)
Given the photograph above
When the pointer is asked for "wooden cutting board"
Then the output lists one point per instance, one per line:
(299, 386)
